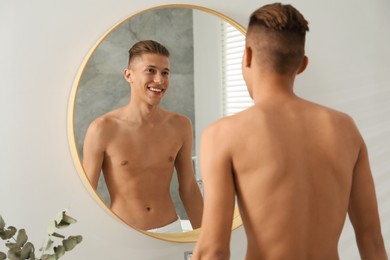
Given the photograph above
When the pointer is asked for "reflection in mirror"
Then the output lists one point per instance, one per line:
(194, 39)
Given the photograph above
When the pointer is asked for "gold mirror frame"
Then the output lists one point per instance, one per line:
(185, 237)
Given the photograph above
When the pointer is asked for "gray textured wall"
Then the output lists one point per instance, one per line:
(102, 87)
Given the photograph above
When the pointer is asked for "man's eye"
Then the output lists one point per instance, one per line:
(150, 70)
(165, 73)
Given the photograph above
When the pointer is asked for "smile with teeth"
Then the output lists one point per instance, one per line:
(155, 89)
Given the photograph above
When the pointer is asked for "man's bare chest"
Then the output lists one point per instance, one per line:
(145, 149)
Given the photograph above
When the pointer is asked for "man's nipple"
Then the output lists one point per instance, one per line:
(170, 159)
(124, 162)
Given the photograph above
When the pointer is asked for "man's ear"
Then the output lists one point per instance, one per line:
(303, 66)
(248, 56)
(127, 75)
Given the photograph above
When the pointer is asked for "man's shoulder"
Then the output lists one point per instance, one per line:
(176, 118)
(336, 115)
(224, 126)
(103, 124)
(339, 121)
(332, 113)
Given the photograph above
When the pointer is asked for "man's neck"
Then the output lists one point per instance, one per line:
(272, 88)
(142, 112)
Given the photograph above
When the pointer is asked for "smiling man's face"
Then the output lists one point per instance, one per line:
(149, 76)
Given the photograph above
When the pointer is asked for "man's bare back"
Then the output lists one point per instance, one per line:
(297, 169)
(292, 180)
(138, 176)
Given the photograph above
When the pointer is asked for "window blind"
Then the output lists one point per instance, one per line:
(235, 94)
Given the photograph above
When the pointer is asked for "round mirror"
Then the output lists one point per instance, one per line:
(193, 35)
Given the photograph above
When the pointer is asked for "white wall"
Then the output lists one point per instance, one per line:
(41, 48)
(207, 61)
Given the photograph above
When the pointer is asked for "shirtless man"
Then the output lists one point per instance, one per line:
(296, 167)
(137, 147)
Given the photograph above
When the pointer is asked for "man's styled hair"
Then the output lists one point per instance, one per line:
(147, 47)
(277, 34)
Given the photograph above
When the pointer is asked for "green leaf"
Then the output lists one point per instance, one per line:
(59, 250)
(55, 234)
(22, 238)
(32, 255)
(8, 233)
(60, 215)
(69, 219)
(2, 223)
(3, 256)
(63, 220)
(14, 253)
(27, 251)
(12, 245)
(49, 257)
(71, 242)
(47, 244)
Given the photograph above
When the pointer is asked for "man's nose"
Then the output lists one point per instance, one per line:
(159, 79)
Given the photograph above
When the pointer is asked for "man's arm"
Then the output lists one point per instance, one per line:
(188, 187)
(93, 152)
(363, 210)
(216, 166)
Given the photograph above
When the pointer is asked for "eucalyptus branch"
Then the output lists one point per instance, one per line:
(21, 249)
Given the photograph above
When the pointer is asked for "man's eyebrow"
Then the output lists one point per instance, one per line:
(155, 67)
